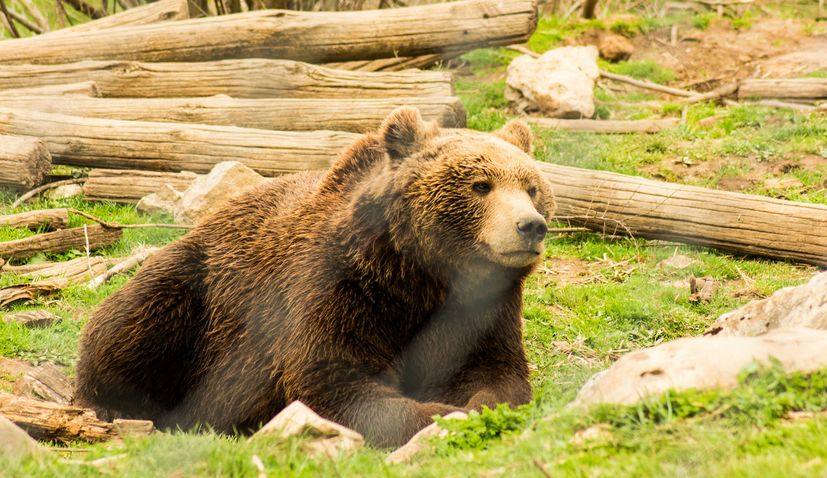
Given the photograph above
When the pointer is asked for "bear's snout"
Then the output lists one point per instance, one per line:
(532, 228)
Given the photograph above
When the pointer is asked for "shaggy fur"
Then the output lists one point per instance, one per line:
(368, 292)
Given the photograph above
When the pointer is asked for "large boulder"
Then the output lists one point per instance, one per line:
(205, 195)
(701, 363)
(801, 306)
(560, 83)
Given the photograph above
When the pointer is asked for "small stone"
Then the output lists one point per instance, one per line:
(65, 191)
(701, 289)
(560, 83)
(327, 438)
(16, 443)
(677, 261)
(135, 428)
(162, 201)
(33, 318)
(615, 47)
(420, 441)
(599, 432)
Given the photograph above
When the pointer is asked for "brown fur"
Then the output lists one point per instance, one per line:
(364, 292)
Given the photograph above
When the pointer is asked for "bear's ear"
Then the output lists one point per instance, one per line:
(404, 132)
(517, 133)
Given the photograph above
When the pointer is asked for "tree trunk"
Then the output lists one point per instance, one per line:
(160, 11)
(83, 88)
(60, 241)
(49, 421)
(46, 218)
(253, 78)
(93, 142)
(128, 186)
(589, 7)
(24, 162)
(606, 126)
(355, 115)
(315, 37)
(739, 223)
(787, 88)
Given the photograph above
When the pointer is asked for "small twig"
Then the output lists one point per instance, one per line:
(713, 95)
(35, 13)
(34, 192)
(115, 225)
(9, 21)
(88, 255)
(647, 84)
(523, 50)
(259, 466)
(540, 466)
(86, 9)
(21, 19)
(123, 266)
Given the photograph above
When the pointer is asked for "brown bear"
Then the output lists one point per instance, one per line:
(380, 293)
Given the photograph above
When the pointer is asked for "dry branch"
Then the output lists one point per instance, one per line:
(24, 161)
(648, 85)
(739, 223)
(34, 12)
(129, 186)
(316, 37)
(253, 78)
(606, 126)
(41, 218)
(60, 241)
(787, 88)
(392, 64)
(127, 264)
(356, 115)
(93, 142)
(34, 192)
(717, 93)
(52, 421)
(83, 88)
(161, 11)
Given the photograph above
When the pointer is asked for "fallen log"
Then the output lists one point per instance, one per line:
(606, 126)
(46, 382)
(94, 142)
(785, 88)
(50, 421)
(41, 218)
(314, 37)
(160, 11)
(24, 162)
(129, 186)
(83, 88)
(124, 266)
(32, 318)
(53, 279)
(739, 223)
(95, 236)
(249, 78)
(355, 115)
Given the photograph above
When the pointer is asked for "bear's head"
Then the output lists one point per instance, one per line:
(463, 197)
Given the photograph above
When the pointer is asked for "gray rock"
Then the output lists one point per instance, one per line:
(16, 443)
(560, 83)
(701, 363)
(801, 306)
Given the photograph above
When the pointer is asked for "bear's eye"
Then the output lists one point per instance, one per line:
(532, 191)
(482, 187)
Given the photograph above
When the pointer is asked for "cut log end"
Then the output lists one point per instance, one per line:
(24, 162)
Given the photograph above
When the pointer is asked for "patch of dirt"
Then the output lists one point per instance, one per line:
(566, 271)
(704, 59)
(758, 172)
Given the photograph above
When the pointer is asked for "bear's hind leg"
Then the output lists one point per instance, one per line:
(138, 349)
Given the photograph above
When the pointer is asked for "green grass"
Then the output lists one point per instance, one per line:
(574, 325)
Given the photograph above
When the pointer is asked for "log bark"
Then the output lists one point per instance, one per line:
(786, 88)
(145, 145)
(84, 88)
(734, 222)
(606, 126)
(129, 186)
(41, 218)
(32, 318)
(315, 37)
(54, 422)
(24, 162)
(160, 11)
(46, 382)
(355, 115)
(252, 78)
(60, 241)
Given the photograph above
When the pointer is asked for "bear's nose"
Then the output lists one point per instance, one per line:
(533, 229)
